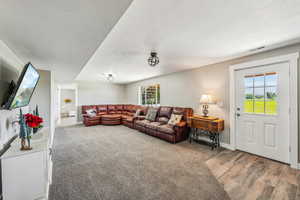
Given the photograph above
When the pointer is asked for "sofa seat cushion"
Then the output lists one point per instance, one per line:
(166, 129)
(97, 117)
(153, 125)
(111, 117)
(127, 118)
(102, 113)
(143, 122)
(130, 114)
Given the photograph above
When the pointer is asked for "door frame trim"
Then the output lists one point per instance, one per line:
(293, 82)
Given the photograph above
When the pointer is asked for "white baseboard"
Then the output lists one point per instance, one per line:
(227, 146)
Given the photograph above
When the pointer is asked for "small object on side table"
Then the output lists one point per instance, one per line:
(206, 126)
(205, 100)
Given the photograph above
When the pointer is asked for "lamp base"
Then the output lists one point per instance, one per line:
(205, 110)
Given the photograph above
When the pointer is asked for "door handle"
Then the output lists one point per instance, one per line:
(238, 114)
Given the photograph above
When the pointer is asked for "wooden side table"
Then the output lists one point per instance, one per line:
(206, 128)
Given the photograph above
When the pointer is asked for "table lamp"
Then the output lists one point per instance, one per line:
(205, 100)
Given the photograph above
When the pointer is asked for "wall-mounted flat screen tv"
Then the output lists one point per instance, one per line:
(24, 89)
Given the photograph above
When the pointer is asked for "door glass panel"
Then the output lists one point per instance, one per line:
(271, 100)
(259, 101)
(261, 93)
(271, 79)
(259, 80)
(248, 81)
(248, 101)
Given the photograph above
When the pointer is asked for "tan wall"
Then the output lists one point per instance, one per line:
(185, 88)
(42, 97)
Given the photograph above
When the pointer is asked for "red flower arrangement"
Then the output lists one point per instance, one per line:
(33, 121)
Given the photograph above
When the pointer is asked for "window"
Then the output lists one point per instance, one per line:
(261, 93)
(150, 95)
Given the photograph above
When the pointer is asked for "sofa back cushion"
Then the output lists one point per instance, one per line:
(132, 108)
(163, 120)
(151, 114)
(102, 109)
(85, 108)
(119, 109)
(144, 110)
(112, 109)
(185, 112)
(165, 111)
(125, 108)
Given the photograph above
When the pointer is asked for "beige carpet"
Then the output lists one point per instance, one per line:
(118, 163)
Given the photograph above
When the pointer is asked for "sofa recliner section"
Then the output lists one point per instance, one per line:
(157, 128)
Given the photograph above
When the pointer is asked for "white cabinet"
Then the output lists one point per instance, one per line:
(26, 175)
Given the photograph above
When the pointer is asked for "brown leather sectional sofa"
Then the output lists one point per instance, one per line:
(158, 128)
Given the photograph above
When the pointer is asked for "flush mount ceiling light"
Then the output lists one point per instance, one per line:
(108, 76)
(153, 59)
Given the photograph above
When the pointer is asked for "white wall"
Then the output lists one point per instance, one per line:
(93, 93)
(185, 88)
(8, 57)
(10, 66)
(67, 94)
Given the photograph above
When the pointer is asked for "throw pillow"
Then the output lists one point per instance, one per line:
(151, 115)
(91, 112)
(137, 113)
(174, 119)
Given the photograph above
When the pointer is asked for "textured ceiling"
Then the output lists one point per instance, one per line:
(58, 35)
(96, 37)
(190, 34)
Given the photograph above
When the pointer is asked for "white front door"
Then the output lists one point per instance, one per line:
(262, 111)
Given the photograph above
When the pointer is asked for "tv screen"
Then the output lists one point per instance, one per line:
(24, 88)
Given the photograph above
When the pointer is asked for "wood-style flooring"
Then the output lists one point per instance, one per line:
(249, 177)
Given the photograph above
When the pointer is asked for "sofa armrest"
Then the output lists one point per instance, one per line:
(180, 124)
(181, 130)
(140, 117)
(85, 115)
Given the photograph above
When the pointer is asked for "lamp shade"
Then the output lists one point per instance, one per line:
(206, 99)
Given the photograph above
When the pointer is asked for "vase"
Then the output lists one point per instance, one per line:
(25, 147)
(35, 130)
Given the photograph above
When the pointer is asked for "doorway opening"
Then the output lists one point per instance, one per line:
(68, 107)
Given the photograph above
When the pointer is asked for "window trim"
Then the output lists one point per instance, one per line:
(140, 95)
(264, 87)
